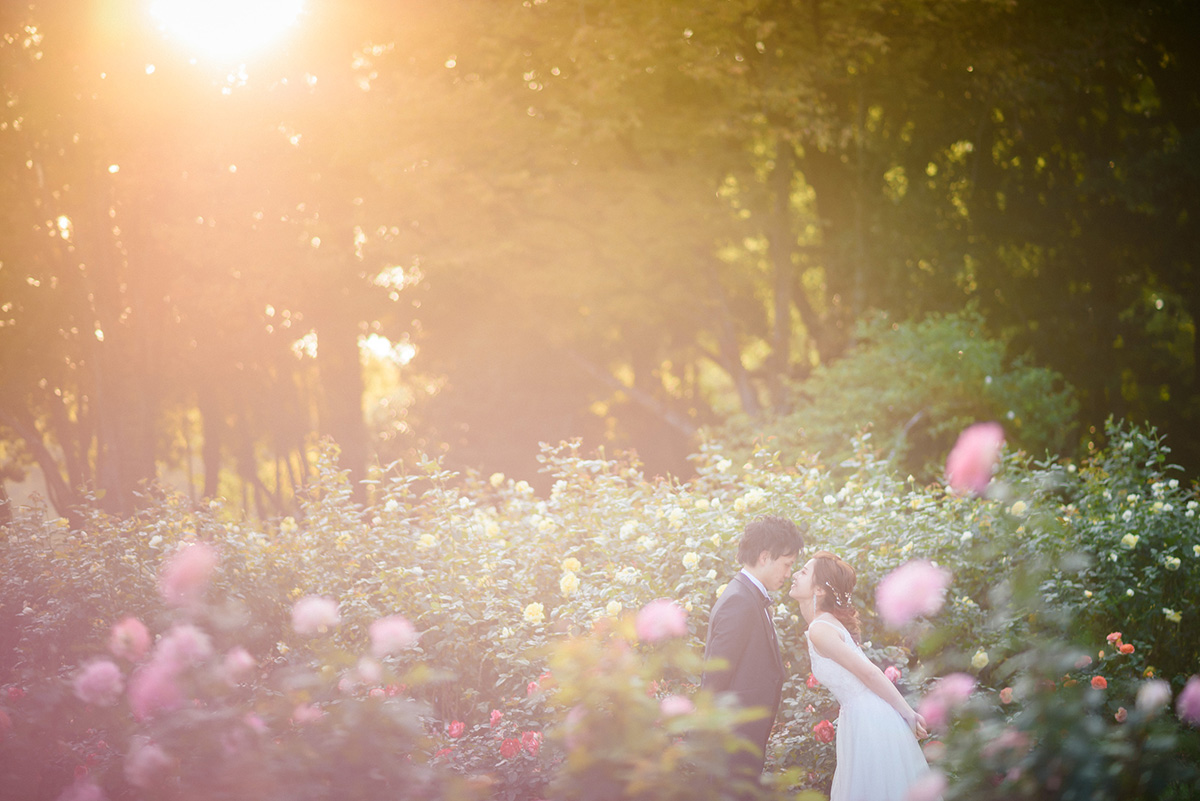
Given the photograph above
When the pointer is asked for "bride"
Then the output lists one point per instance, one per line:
(878, 756)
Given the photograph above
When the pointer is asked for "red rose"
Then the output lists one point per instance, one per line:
(457, 728)
(510, 747)
(1126, 648)
(531, 741)
(812, 681)
(824, 731)
(1099, 682)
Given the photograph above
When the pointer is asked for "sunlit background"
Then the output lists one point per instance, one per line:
(464, 228)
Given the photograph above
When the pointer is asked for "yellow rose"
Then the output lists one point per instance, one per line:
(569, 583)
(535, 613)
(980, 660)
(1130, 540)
(427, 541)
(571, 564)
(497, 479)
(614, 608)
(691, 559)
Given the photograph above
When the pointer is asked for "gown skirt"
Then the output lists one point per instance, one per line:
(878, 758)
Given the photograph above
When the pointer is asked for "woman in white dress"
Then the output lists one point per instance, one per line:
(878, 756)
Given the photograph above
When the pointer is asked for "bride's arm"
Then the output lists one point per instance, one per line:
(829, 643)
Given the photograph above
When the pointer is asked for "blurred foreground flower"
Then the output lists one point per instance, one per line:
(314, 615)
(660, 620)
(948, 693)
(186, 574)
(915, 588)
(130, 640)
(391, 635)
(1153, 695)
(100, 683)
(1187, 705)
(973, 457)
(927, 788)
(676, 705)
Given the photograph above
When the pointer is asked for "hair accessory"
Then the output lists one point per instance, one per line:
(839, 598)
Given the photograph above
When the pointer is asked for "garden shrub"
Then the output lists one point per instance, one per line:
(523, 607)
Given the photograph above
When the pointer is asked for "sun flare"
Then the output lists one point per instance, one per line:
(225, 29)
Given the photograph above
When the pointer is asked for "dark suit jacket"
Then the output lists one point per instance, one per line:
(740, 633)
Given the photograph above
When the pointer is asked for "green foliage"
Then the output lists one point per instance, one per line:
(915, 386)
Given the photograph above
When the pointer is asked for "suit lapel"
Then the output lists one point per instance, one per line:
(764, 620)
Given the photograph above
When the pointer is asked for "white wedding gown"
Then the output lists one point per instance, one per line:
(878, 757)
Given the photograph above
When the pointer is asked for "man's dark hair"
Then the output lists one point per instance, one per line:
(777, 536)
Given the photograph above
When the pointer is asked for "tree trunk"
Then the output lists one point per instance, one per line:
(342, 388)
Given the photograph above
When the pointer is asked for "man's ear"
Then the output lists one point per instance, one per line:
(764, 556)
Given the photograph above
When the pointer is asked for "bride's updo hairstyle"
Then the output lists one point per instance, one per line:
(836, 579)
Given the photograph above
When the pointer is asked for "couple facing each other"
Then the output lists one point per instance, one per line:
(878, 755)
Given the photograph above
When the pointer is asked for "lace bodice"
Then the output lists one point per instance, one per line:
(844, 685)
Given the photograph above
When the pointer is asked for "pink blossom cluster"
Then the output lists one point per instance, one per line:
(186, 574)
(315, 615)
(155, 686)
(973, 458)
(949, 692)
(391, 635)
(914, 589)
(130, 640)
(660, 620)
(1187, 705)
(100, 683)
(673, 705)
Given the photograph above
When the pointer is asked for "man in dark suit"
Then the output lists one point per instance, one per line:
(742, 652)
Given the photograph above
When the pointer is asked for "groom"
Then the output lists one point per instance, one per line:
(742, 652)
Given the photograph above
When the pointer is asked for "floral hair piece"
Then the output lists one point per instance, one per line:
(840, 598)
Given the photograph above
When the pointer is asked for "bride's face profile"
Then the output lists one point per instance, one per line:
(802, 582)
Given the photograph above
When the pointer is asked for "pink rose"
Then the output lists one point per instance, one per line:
(183, 646)
(948, 693)
(457, 727)
(496, 717)
(153, 689)
(147, 764)
(1121, 714)
(971, 460)
(824, 732)
(674, 705)
(660, 620)
(129, 640)
(305, 714)
(1006, 695)
(237, 665)
(186, 574)
(811, 681)
(100, 683)
(892, 673)
(1187, 705)
(391, 635)
(929, 787)
(915, 588)
(1153, 695)
(84, 789)
(314, 615)
(510, 747)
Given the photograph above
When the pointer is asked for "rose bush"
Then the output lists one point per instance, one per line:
(433, 619)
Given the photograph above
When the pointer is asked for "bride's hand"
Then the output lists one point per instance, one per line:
(920, 728)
